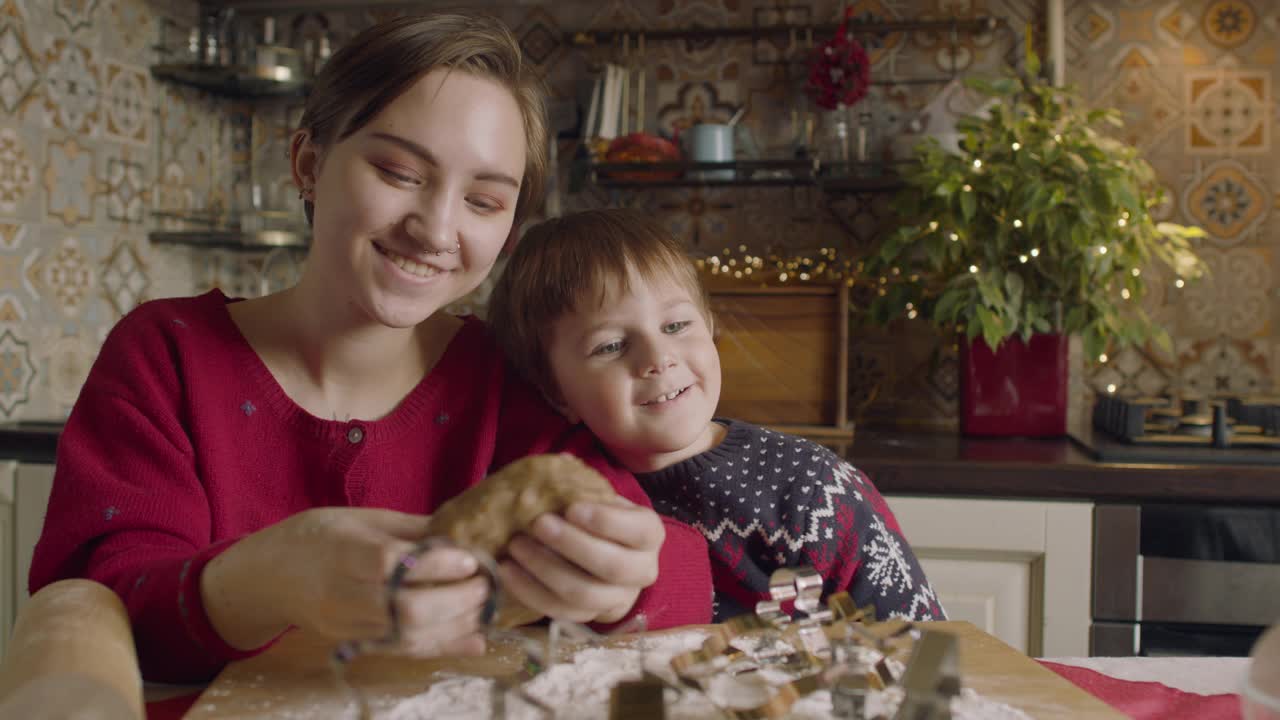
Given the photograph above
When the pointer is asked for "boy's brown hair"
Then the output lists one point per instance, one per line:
(565, 261)
(382, 62)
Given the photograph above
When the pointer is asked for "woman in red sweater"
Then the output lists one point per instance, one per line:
(234, 469)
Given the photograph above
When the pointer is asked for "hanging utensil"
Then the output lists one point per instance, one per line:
(623, 123)
(640, 69)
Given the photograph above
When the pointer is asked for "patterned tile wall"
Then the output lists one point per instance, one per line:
(92, 148)
(1196, 80)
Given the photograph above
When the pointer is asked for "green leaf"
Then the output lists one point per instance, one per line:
(981, 84)
(896, 242)
(1162, 339)
(936, 253)
(968, 205)
(1168, 228)
(947, 188)
(1094, 342)
(1033, 68)
(992, 327)
(948, 305)
(1075, 319)
(990, 293)
(1013, 285)
(1035, 200)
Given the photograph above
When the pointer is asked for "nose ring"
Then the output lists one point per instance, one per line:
(452, 251)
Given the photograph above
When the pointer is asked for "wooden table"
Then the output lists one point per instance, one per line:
(293, 680)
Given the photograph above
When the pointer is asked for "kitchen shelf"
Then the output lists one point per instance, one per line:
(705, 182)
(641, 175)
(610, 36)
(232, 239)
(233, 80)
(834, 178)
(887, 182)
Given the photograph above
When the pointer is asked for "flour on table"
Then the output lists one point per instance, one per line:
(579, 690)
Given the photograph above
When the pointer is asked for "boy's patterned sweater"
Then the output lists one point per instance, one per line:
(766, 500)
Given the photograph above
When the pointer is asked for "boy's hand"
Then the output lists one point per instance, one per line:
(588, 566)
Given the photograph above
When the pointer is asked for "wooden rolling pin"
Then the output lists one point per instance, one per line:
(71, 657)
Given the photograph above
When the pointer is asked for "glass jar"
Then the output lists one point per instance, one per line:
(835, 149)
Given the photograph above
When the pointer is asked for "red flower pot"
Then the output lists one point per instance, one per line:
(1019, 389)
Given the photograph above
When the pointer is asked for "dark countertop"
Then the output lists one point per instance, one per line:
(917, 463)
(31, 441)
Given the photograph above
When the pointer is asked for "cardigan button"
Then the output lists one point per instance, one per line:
(355, 435)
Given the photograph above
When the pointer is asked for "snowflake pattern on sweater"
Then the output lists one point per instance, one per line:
(766, 500)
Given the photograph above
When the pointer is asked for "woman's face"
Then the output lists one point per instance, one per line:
(412, 209)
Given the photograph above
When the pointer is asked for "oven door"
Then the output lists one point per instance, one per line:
(1183, 579)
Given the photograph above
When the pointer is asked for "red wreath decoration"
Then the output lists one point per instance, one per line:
(839, 71)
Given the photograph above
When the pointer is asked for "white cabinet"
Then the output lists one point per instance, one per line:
(31, 502)
(24, 496)
(8, 582)
(1018, 569)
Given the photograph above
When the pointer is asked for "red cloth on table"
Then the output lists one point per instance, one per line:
(171, 708)
(1149, 700)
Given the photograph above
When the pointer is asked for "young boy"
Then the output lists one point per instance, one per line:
(604, 312)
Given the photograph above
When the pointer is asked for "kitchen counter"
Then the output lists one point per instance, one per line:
(917, 463)
(30, 441)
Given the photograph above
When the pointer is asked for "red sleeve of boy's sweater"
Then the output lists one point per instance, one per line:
(682, 593)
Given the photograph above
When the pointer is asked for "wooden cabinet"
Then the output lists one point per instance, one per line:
(1018, 569)
(784, 356)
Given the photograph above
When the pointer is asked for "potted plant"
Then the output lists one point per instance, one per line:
(1038, 229)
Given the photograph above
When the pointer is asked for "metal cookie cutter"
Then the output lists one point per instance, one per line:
(794, 642)
(931, 679)
(803, 587)
(347, 651)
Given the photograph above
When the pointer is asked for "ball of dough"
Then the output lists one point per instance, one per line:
(487, 515)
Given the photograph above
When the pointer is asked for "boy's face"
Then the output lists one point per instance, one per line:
(641, 371)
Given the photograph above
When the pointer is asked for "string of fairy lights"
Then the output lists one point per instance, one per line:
(828, 268)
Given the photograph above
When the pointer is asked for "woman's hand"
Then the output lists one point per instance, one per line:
(325, 570)
(588, 566)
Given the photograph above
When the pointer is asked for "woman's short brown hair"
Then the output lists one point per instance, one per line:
(383, 61)
(565, 261)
